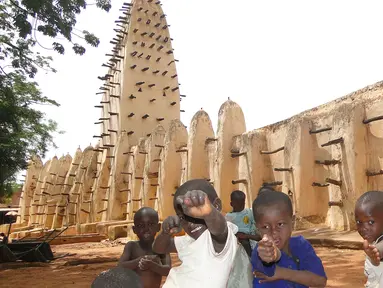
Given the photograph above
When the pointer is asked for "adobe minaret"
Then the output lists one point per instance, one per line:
(141, 88)
(140, 91)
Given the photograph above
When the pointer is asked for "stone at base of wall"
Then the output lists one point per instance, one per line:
(21, 228)
(16, 227)
(126, 231)
(334, 243)
(119, 231)
(88, 228)
(93, 237)
(102, 227)
(70, 231)
(326, 237)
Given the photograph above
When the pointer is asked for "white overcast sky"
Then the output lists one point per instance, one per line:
(274, 58)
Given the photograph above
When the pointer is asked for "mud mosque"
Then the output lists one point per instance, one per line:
(323, 158)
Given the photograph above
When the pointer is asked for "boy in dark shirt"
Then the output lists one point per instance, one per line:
(280, 260)
(139, 256)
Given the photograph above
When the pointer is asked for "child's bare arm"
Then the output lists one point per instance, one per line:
(217, 226)
(255, 237)
(305, 278)
(125, 259)
(311, 272)
(162, 268)
(164, 242)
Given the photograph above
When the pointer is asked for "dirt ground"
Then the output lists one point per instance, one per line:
(344, 268)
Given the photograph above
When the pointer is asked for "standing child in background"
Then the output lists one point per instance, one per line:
(208, 249)
(369, 221)
(279, 259)
(243, 218)
(139, 256)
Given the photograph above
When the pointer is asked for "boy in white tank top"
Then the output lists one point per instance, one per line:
(208, 249)
(369, 221)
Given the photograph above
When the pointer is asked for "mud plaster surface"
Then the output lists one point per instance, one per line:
(344, 268)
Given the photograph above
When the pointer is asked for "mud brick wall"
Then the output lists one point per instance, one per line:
(324, 158)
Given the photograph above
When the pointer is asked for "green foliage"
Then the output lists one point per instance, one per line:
(20, 20)
(24, 131)
(9, 189)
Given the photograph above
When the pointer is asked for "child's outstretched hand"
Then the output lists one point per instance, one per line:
(264, 279)
(372, 252)
(267, 250)
(195, 204)
(171, 225)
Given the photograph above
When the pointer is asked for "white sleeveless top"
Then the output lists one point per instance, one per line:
(201, 266)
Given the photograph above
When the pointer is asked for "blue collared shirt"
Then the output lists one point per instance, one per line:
(304, 258)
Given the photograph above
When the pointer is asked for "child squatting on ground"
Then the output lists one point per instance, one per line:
(369, 221)
(208, 249)
(243, 218)
(139, 256)
(280, 260)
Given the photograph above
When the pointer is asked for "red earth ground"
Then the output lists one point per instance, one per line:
(344, 268)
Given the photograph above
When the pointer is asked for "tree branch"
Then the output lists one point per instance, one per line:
(18, 7)
(26, 57)
(77, 36)
(34, 34)
(1, 68)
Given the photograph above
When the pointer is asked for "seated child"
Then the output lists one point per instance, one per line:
(369, 221)
(208, 249)
(244, 220)
(117, 277)
(139, 256)
(279, 259)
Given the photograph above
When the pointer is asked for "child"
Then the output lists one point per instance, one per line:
(117, 277)
(280, 260)
(208, 249)
(369, 221)
(139, 256)
(244, 220)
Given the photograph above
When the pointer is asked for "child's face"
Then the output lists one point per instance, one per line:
(275, 221)
(192, 226)
(238, 205)
(146, 227)
(369, 221)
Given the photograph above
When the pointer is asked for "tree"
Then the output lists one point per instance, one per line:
(11, 188)
(20, 22)
(24, 131)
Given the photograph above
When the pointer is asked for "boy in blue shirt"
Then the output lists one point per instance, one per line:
(280, 260)
(243, 218)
